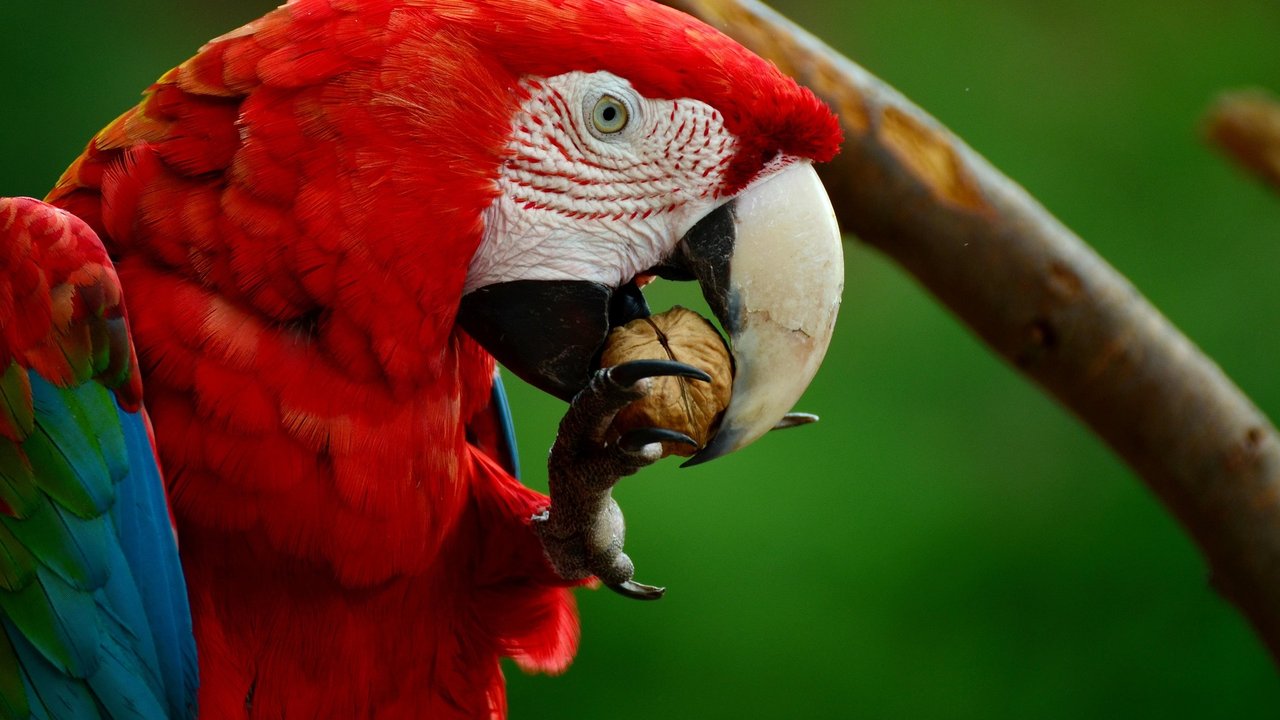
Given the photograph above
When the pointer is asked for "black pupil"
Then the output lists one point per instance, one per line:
(609, 113)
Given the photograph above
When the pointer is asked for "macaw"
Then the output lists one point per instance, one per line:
(326, 226)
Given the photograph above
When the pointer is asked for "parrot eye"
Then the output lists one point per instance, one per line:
(610, 115)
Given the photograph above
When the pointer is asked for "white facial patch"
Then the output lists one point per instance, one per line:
(599, 183)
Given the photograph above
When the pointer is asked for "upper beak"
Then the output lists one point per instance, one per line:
(771, 267)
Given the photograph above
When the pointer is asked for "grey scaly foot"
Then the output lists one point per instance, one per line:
(583, 530)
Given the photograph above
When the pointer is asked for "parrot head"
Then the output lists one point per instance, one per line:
(642, 143)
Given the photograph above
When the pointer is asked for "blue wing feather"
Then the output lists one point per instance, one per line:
(49, 695)
(507, 453)
(142, 516)
(103, 630)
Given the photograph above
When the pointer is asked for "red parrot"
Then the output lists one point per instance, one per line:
(329, 223)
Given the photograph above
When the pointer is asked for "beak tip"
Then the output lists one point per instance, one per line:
(725, 442)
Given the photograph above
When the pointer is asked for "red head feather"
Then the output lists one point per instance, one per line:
(664, 54)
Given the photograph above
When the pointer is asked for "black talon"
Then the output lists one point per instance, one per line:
(637, 591)
(791, 420)
(630, 373)
(635, 440)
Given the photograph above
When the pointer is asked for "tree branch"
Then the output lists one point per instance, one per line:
(1048, 304)
(1245, 125)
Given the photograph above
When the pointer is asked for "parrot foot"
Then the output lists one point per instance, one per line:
(583, 531)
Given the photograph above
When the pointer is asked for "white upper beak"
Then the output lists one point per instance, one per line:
(785, 279)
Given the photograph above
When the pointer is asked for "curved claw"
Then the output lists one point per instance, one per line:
(634, 440)
(795, 419)
(637, 591)
(630, 373)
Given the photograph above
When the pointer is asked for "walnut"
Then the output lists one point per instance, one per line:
(689, 406)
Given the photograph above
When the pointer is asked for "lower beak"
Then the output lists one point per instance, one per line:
(771, 268)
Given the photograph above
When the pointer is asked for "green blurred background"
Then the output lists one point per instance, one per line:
(947, 542)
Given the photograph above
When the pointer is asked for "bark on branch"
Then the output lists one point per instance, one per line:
(1245, 125)
(1047, 303)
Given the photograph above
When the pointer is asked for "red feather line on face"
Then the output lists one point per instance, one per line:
(664, 54)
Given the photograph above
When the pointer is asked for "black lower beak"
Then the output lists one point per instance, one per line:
(549, 332)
